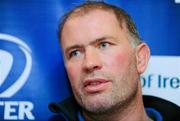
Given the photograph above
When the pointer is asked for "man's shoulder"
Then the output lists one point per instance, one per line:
(168, 110)
(67, 109)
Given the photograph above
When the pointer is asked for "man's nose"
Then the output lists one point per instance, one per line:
(92, 60)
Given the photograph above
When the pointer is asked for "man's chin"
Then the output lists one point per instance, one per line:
(96, 105)
(96, 110)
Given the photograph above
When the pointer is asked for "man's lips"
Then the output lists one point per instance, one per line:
(95, 85)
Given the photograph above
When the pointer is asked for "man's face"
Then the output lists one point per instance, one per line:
(100, 62)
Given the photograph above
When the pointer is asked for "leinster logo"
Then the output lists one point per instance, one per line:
(6, 65)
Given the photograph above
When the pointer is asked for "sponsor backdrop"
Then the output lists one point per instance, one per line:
(31, 65)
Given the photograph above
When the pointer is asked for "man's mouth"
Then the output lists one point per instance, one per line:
(95, 85)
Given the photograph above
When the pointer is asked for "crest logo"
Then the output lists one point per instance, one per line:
(6, 62)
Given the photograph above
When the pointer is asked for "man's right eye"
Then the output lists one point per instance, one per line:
(74, 53)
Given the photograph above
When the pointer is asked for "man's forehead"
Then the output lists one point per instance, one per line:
(80, 13)
(92, 16)
(96, 15)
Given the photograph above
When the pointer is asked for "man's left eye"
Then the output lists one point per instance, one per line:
(104, 45)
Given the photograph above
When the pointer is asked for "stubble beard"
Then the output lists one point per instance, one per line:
(109, 103)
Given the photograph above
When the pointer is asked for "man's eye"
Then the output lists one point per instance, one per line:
(74, 53)
(104, 45)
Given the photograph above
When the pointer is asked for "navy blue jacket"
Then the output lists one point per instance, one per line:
(67, 109)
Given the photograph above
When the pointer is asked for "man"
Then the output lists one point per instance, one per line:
(104, 57)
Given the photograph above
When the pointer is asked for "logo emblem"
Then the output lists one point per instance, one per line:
(6, 62)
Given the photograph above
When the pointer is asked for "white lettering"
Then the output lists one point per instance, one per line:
(17, 110)
(10, 110)
(25, 108)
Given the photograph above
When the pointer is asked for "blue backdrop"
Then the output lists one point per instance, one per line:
(28, 40)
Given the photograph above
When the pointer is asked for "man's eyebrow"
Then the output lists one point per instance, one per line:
(72, 47)
(91, 43)
(101, 39)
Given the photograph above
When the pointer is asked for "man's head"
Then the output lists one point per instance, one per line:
(103, 56)
(119, 13)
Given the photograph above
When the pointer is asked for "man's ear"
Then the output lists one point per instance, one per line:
(142, 57)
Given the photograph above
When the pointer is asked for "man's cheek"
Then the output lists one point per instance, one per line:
(73, 73)
(118, 61)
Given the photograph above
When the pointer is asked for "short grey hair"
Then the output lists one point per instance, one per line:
(121, 15)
